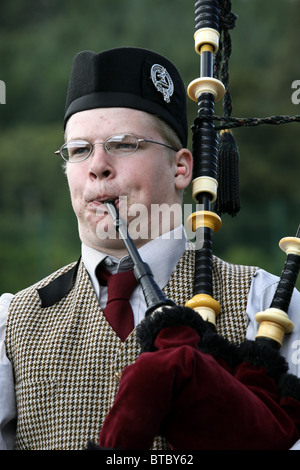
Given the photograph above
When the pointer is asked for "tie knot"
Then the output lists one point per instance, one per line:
(120, 285)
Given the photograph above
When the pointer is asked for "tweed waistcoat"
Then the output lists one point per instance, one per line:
(67, 359)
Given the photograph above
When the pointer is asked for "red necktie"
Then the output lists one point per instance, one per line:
(118, 311)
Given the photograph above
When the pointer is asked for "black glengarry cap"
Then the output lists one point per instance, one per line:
(131, 78)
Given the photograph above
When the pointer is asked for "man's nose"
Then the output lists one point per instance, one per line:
(101, 165)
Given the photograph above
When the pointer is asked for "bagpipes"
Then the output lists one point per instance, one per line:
(189, 384)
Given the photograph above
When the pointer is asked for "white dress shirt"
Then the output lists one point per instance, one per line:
(162, 255)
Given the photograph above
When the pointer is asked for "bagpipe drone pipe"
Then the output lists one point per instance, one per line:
(189, 384)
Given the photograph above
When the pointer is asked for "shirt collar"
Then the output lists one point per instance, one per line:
(161, 254)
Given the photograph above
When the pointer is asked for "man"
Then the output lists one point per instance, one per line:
(126, 137)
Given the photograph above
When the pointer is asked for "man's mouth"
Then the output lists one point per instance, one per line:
(100, 201)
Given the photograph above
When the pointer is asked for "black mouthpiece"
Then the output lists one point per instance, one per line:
(109, 201)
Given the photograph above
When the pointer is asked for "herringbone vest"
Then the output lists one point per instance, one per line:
(67, 359)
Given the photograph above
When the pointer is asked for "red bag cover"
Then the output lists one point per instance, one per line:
(200, 400)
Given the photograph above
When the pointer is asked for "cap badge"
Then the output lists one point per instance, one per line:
(162, 81)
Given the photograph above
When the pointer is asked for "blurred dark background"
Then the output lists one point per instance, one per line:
(38, 40)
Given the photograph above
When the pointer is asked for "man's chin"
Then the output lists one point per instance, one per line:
(106, 232)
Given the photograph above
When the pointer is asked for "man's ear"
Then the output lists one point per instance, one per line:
(183, 168)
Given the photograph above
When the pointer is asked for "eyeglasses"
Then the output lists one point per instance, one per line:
(119, 145)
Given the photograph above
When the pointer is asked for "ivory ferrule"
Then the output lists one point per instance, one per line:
(207, 307)
(204, 219)
(290, 245)
(273, 324)
(204, 184)
(206, 36)
(206, 85)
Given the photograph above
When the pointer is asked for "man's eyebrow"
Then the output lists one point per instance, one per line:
(76, 138)
(135, 134)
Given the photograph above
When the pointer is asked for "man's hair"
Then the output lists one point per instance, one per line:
(168, 135)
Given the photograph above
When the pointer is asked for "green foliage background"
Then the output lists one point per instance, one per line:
(38, 40)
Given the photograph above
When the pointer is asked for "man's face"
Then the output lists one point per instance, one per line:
(145, 178)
